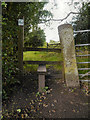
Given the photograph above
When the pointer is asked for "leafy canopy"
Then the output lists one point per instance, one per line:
(81, 22)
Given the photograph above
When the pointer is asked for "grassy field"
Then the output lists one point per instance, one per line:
(51, 56)
(41, 56)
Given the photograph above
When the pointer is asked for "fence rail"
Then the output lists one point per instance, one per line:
(82, 45)
(85, 80)
(83, 74)
(41, 49)
(83, 68)
(54, 44)
(42, 62)
(83, 62)
(83, 55)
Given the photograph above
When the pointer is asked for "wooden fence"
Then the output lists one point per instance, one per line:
(53, 45)
(45, 50)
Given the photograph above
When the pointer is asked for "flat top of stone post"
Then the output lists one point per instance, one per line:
(42, 69)
(64, 26)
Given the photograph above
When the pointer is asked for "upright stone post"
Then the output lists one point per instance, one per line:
(41, 77)
(68, 48)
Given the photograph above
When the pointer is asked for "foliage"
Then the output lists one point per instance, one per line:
(45, 89)
(81, 22)
(12, 11)
(37, 94)
(35, 38)
(52, 42)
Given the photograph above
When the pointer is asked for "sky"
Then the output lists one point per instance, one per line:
(59, 12)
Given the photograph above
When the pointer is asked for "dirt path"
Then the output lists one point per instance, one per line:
(58, 102)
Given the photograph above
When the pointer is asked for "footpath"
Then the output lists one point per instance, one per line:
(57, 102)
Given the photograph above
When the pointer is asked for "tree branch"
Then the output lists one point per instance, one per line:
(65, 17)
(61, 19)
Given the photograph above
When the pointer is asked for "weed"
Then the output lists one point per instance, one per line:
(37, 94)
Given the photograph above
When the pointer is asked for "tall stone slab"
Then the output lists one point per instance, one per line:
(68, 49)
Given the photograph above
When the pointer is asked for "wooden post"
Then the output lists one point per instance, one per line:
(20, 51)
(0, 60)
(68, 47)
(23, 33)
(47, 45)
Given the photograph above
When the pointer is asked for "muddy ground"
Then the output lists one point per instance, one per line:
(58, 101)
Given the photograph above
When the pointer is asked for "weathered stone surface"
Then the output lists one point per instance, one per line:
(41, 69)
(41, 77)
(68, 48)
(41, 80)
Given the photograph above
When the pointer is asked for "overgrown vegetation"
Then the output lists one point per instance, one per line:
(81, 22)
(33, 14)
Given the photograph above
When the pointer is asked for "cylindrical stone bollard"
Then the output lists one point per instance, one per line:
(68, 48)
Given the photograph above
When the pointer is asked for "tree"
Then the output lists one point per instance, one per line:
(12, 11)
(35, 38)
(81, 22)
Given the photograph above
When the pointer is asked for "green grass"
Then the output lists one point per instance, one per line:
(40, 56)
(51, 56)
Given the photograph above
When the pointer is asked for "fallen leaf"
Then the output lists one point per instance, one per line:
(19, 110)
(22, 115)
(48, 91)
(55, 101)
(32, 107)
(73, 110)
(71, 102)
(77, 111)
(32, 101)
(62, 92)
(45, 105)
(44, 97)
(52, 105)
(53, 111)
(43, 93)
(34, 110)
(39, 103)
(26, 115)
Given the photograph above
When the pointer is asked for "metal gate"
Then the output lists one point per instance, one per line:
(83, 77)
